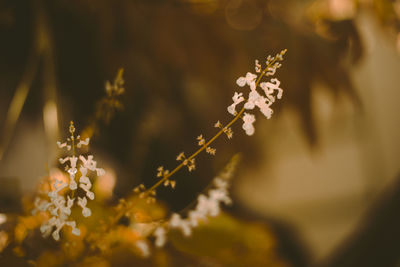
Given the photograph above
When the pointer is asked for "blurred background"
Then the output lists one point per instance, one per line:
(318, 167)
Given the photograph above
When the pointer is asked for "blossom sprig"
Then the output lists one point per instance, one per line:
(74, 141)
(255, 99)
(108, 105)
(208, 205)
(57, 205)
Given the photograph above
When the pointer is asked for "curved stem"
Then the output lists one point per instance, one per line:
(237, 116)
(195, 153)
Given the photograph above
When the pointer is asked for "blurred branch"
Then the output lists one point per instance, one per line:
(107, 106)
(41, 50)
(44, 40)
(19, 98)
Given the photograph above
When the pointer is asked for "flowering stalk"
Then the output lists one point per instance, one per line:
(55, 203)
(223, 129)
(255, 99)
(208, 205)
(166, 177)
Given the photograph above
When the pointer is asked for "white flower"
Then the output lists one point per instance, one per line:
(82, 202)
(208, 206)
(83, 143)
(75, 230)
(143, 247)
(248, 120)
(270, 71)
(220, 195)
(63, 160)
(61, 145)
(250, 80)
(177, 222)
(85, 183)
(160, 235)
(90, 164)
(237, 98)
(59, 206)
(195, 216)
(270, 87)
(59, 224)
(264, 105)
(73, 161)
(100, 172)
(255, 99)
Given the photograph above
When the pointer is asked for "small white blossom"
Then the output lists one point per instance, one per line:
(250, 80)
(270, 87)
(270, 71)
(237, 99)
(160, 235)
(143, 247)
(207, 205)
(82, 202)
(248, 126)
(75, 230)
(176, 221)
(83, 143)
(63, 160)
(61, 145)
(195, 216)
(255, 99)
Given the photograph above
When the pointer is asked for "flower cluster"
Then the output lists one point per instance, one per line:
(255, 99)
(59, 207)
(207, 206)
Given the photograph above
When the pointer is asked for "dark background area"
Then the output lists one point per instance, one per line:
(181, 60)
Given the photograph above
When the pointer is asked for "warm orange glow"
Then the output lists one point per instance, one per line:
(105, 184)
